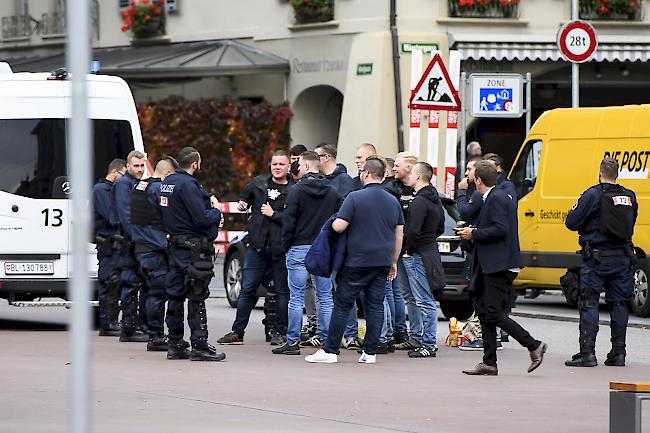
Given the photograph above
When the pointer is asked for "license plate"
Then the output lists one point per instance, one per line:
(444, 247)
(29, 268)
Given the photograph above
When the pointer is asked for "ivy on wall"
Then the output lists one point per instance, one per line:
(235, 137)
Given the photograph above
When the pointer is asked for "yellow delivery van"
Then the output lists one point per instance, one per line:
(558, 161)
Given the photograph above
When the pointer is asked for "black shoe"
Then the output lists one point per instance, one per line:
(112, 330)
(482, 370)
(505, 337)
(231, 338)
(177, 351)
(276, 339)
(287, 349)
(408, 345)
(615, 360)
(582, 360)
(385, 348)
(206, 352)
(157, 344)
(134, 337)
(423, 352)
(401, 337)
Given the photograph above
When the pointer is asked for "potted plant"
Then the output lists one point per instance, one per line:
(313, 11)
(144, 18)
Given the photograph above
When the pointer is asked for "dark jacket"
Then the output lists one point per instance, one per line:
(309, 204)
(392, 187)
(341, 181)
(327, 252)
(151, 234)
(264, 231)
(504, 184)
(406, 196)
(185, 208)
(496, 238)
(425, 223)
(121, 203)
(469, 205)
(102, 208)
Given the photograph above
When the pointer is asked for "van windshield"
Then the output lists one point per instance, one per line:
(524, 174)
(33, 162)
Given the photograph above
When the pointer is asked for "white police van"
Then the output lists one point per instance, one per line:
(36, 223)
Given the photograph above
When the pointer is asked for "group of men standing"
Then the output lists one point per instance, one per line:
(154, 245)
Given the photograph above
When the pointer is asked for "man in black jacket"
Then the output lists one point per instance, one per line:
(502, 177)
(309, 204)
(265, 195)
(336, 174)
(424, 224)
(496, 263)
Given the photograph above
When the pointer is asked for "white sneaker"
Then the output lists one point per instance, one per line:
(367, 359)
(322, 357)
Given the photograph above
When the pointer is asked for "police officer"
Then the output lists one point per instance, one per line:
(150, 241)
(192, 225)
(121, 217)
(108, 273)
(604, 216)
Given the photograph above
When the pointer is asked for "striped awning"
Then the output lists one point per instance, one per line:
(548, 51)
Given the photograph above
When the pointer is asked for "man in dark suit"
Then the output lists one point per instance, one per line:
(496, 264)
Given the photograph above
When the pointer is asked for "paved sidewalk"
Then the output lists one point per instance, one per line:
(256, 391)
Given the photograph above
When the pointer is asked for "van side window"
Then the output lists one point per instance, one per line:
(524, 174)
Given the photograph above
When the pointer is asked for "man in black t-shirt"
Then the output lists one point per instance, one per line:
(265, 195)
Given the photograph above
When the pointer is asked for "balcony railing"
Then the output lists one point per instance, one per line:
(313, 11)
(53, 24)
(484, 8)
(16, 27)
(613, 10)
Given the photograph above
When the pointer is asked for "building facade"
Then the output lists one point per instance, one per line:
(332, 60)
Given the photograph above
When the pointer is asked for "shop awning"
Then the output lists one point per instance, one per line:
(530, 47)
(170, 61)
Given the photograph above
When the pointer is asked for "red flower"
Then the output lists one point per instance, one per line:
(132, 2)
(144, 2)
(147, 17)
(125, 28)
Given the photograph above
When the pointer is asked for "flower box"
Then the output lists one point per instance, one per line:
(614, 10)
(144, 18)
(313, 11)
(484, 8)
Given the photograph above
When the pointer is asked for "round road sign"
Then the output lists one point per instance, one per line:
(577, 41)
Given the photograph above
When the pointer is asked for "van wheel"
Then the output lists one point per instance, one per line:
(640, 303)
(232, 277)
(461, 310)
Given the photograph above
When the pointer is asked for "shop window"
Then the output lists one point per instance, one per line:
(484, 8)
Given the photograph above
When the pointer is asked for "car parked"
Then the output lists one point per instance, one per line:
(454, 300)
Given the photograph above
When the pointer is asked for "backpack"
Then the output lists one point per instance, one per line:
(616, 213)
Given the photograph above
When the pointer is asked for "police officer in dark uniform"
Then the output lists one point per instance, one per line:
(108, 273)
(121, 217)
(150, 241)
(604, 216)
(192, 225)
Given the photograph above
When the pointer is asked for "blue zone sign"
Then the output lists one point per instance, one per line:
(496, 95)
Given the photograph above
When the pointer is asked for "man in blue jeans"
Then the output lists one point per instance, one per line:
(425, 224)
(265, 195)
(371, 213)
(309, 204)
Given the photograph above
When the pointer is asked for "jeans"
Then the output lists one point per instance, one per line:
(417, 276)
(415, 315)
(297, 278)
(256, 262)
(387, 329)
(371, 282)
(397, 307)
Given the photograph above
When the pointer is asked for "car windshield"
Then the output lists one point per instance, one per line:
(451, 216)
(33, 162)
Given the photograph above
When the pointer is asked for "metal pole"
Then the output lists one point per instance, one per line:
(461, 121)
(529, 104)
(575, 68)
(397, 77)
(79, 163)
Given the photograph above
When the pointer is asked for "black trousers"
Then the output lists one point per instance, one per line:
(492, 303)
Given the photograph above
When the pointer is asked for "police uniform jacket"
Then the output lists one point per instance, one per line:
(185, 209)
(121, 201)
(584, 214)
(264, 231)
(102, 208)
(146, 219)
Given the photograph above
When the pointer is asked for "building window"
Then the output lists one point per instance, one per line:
(484, 8)
(53, 23)
(18, 25)
(616, 10)
(313, 11)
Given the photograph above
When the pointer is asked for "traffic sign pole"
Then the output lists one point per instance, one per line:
(575, 68)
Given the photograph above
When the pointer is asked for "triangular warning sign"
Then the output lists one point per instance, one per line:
(435, 91)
